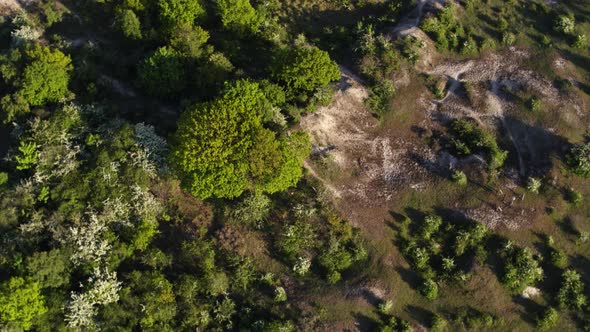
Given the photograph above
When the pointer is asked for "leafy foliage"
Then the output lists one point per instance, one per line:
(303, 70)
(163, 73)
(222, 148)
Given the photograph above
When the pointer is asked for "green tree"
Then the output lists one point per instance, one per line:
(189, 40)
(303, 70)
(129, 24)
(45, 78)
(222, 149)
(177, 12)
(20, 302)
(571, 293)
(578, 159)
(162, 73)
(237, 15)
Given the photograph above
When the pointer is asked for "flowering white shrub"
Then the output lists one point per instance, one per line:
(154, 146)
(87, 240)
(82, 307)
(302, 266)
(144, 204)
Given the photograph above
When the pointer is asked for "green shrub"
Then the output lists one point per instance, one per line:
(385, 307)
(548, 319)
(578, 159)
(534, 104)
(429, 289)
(430, 226)
(571, 292)
(573, 196)
(521, 269)
(3, 179)
(580, 41)
(533, 185)
(565, 24)
(459, 177)
(437, 323)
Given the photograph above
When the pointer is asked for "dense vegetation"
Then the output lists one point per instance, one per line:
(154, 169)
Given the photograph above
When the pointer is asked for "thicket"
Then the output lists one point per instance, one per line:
(467, 138)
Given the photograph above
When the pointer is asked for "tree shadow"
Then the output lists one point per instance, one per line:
(530, 309)
(409, 277)
(419, 314)
(365, 323)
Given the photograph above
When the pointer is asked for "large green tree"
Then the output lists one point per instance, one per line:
(20, 302)
(222, 149)
(33, 76)
(45, 78)
(304, 69)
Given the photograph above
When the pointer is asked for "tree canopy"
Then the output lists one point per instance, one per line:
(303, 70)
(162, 73)
(222, 148)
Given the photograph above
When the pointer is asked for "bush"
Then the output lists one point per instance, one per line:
(3, 179)
(459, 177)
(547, 319)
(578, 159)
(573, 196)
(430, 226)
(580, 41)
(565, 24)
(534, 104)
(521, 269)
(429, 289)
(571, 292)
(437, 323)
(533, 185)
(385, 307)
(469, 138)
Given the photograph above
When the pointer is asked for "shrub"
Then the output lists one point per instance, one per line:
(429, 289)
(3, 179)
(437, 323)
(533, 185)
(571, 292)
(521, 269)
(580, 41)
(578, 159)
(430, 226)
(385, 307)
(534, 104)
(573, 196)
(508, 38)
(547, 319)
(459, 177)
(565, 24)
(280, 294)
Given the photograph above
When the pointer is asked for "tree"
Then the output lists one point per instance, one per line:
(237, 15)
(129, 24)
(20, 302)
(177, 12)
(162, 73)
(222, 149)
(547, 319)
(45, 79)
(189, 40)
(303, 70)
